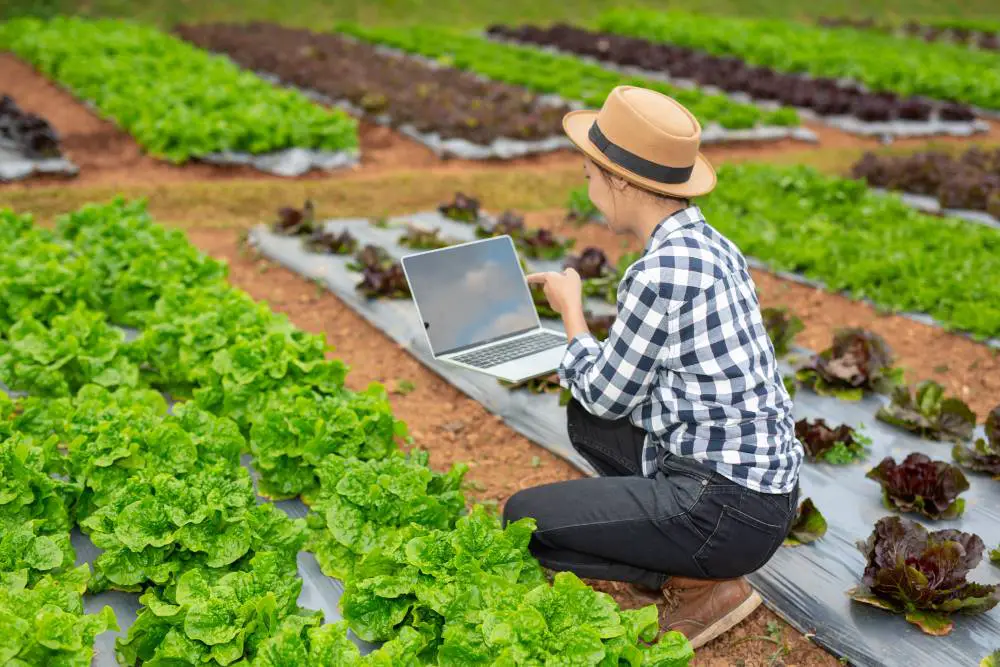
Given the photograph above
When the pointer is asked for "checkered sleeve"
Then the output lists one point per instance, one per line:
(612, 378)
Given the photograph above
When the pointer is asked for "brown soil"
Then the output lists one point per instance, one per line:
(966, 368)
(456, 428)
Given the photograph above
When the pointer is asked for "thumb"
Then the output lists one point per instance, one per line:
(571, 273)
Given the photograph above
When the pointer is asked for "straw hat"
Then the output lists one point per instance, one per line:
(647, 138)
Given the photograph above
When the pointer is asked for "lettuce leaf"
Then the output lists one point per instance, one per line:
(77, 349)
(360, 503)
(809, 525)
(918, 484)
(44, 623)
(929, 414)
(858, 360)
(922, 574)
(298, 429)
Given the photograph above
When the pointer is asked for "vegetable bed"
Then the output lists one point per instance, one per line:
(566, 76)
(968, 182)
(158, 487)
(179, 102)
(837, 232)
(402, 91)
(806, 584)
(881, 62)
(848, 106)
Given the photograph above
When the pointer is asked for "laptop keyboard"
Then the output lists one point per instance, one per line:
(513, 349)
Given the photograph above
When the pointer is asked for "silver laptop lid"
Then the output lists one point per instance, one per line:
(470, 294)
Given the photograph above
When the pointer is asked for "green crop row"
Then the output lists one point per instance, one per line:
(870, 246)
(883, 62)
(178, 101)
(563, 75)
(164, 496)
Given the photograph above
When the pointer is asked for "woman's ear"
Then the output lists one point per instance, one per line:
(618, 183)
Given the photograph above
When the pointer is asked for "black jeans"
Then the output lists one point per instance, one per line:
(687, 521)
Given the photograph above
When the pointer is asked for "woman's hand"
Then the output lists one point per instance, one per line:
(565, 294)
(564, 291)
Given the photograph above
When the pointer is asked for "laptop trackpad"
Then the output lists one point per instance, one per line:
(525, 368)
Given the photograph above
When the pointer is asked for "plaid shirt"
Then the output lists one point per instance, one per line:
(689, 360)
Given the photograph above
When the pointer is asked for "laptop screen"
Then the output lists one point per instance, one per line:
(470, 294)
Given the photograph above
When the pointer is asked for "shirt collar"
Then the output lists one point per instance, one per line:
(672, 223)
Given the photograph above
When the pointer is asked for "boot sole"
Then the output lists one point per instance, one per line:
(727, 622)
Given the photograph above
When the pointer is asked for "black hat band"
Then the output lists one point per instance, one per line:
(637, 165)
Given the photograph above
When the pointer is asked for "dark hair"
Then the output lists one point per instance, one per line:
(606, 175)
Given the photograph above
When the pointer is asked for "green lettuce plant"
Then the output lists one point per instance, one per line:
(360, 503)
(78, 348)
(44, 623)
(205, 619)
(298, 429)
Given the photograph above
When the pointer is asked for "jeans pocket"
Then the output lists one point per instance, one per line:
(739, 545)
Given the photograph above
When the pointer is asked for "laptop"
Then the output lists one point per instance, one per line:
(477, 310)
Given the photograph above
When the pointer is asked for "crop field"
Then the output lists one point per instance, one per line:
(223, 442)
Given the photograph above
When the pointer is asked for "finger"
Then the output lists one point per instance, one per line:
(538, 278)
(571, 273)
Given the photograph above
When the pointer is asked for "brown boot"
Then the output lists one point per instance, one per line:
(703, 609)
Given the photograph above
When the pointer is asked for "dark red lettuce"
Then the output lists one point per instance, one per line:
(838, 445)
(857, 360)
(591, 263)
(462, 208)
(384, 282)
(337, 244)
(295, 222)
(984, 455)
(923, 574)
(929, 414)
(918, 484)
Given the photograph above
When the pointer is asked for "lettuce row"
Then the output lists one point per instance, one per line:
(563, 75)
(109, 257)
(907, 66)
(178, 101)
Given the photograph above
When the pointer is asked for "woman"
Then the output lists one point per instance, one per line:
(682, 409)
